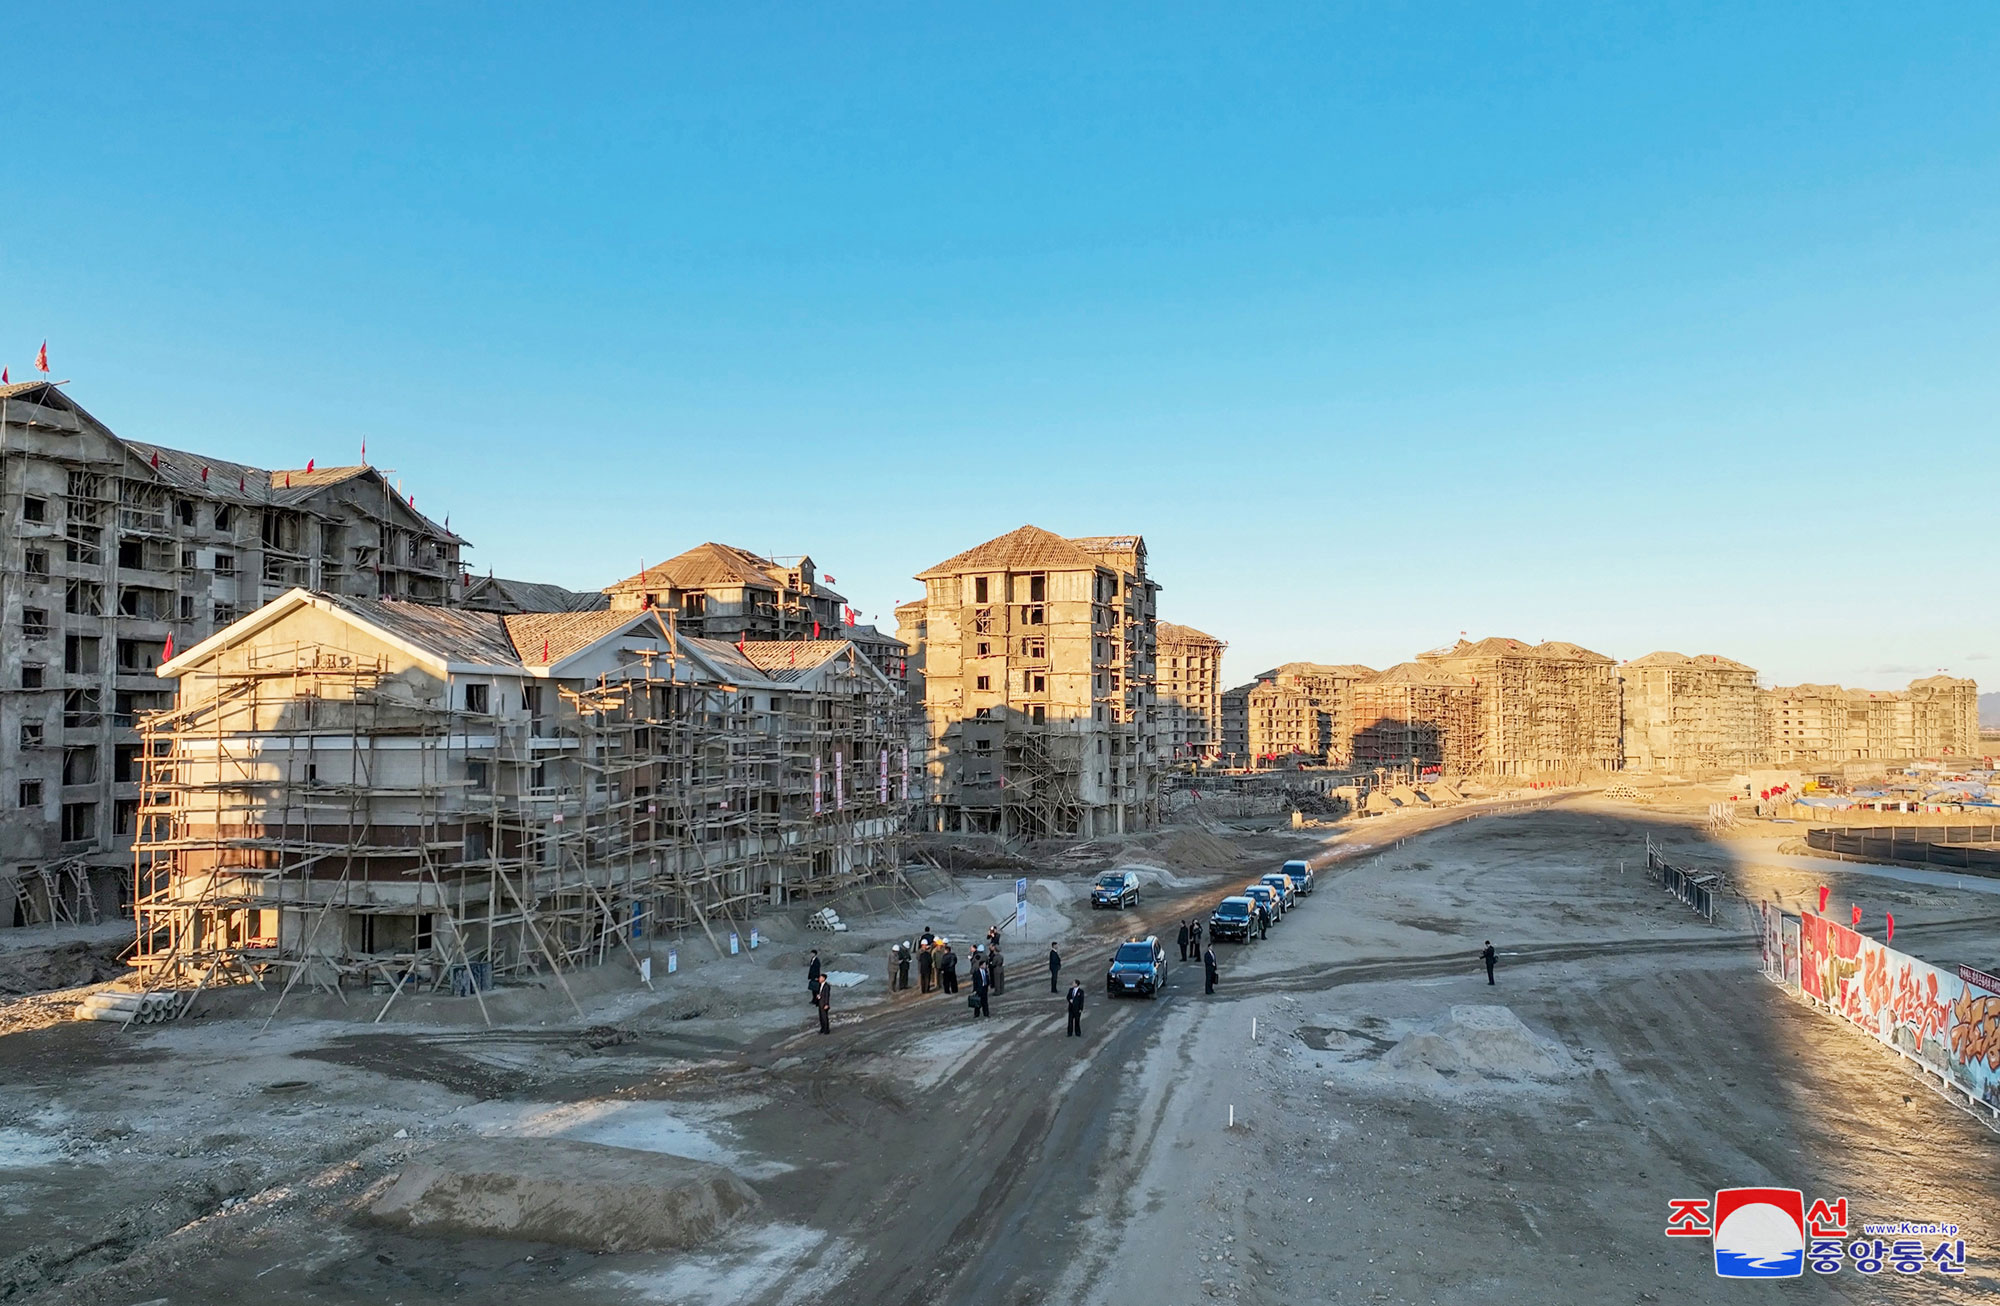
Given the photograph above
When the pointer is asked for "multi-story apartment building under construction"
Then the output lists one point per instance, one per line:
(1189, 693)
(1691, 715)
(112, 550)
(1037, 658)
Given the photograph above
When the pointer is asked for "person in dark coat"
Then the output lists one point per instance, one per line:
(982, 986)
(1489, 957)
(1194, 939)
(823, 999)
(903, 966)
(1263, 921)
(926, 967)
(1055, 968)
(1182, 939)
(1208, 967)
(948, 969)
(1076, 1008)
(998, 965)
(992, 937)
(812, 978)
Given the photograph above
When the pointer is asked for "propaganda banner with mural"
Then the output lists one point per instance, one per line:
(1948, 1022)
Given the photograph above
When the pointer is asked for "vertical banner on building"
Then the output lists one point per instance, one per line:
(840, 780)
(819, 804)
(906, 773)
(882, 775)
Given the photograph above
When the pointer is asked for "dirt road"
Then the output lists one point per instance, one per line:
(917, 1156)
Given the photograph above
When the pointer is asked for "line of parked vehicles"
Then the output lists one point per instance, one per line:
(1139, 966)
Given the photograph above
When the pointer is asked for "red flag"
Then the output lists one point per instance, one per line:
(829, 580)
(156, 460)
(545, 652)
(309, 464)
(3, 376)
(1823, 891)
(1857, 915)
(413, 498)
(242, 482)
(364, 451)
(288, 480)
(167, 654)
(42, 359)
(1892, 926)
(739, 645)
(815, 630)
(795, 655)
(204, 476)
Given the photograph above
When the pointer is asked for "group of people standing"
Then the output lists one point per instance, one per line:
(1189, 939)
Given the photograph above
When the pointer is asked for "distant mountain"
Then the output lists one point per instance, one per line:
(1989, 711)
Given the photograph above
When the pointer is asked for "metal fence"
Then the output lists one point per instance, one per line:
(1697, 889)
(1927, 845)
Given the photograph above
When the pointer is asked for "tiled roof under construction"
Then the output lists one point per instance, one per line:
(1564, 650)
(448, 633)
(1028, 549)
(708, 565)
(786, 660)
(1168, 632)
(1710, 661)
(1499, 646)
(543, 638)
(241, 483)
(1417, 673)
(1346, 670)
(537, 596)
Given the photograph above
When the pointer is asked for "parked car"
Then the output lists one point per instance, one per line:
(1139, 966)
(1287, 892)
(1302, 875)
(1115, 889)
(1267, 897)
(1233, 918)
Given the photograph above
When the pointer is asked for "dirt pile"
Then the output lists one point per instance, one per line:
(584, 1195)
(1195, 850)
(63, 965)
(1472, 1044)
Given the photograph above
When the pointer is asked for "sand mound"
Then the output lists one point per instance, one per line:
(1192, 850)
(1469, 1044)
(600, 1199)
(1045, 922)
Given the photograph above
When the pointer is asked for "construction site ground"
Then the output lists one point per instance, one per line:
(1402, 1131)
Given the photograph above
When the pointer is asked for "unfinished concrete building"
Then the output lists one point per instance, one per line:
(716, 591)
(1548, 711)
(1418, 721)
(110, 549)
(352, 791)
(1236, 724)
(1189, 693)
(1299, 713)
(1036, 657)
(1809, 725)
(1691, 716)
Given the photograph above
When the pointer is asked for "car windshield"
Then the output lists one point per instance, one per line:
(1110, 881)
(1229, 909)
(1135, 952)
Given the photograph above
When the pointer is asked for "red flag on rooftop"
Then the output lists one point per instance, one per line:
(242, 482)
(739, 645)
(3, 376)
(309, 466)
(42, 359)
(204, 476)
(156, 460)
(364, 451)
(167, 654)
(288, 480)
(829, 580)
(545, 652)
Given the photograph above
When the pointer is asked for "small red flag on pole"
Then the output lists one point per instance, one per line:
(204, 476)
(167, 654)
(1857, 915)
(1823, 891)
(156, 460)
(815, 630)
(545, 652)
(830, 580)
(3, 376)
(242, 482)
(1891, 916)
(309, 464)
(42, 359)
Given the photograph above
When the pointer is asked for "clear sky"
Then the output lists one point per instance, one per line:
(1643, 327)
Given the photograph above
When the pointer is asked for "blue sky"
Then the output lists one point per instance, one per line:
(1645, 328)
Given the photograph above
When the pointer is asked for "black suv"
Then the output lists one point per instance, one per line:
(1115, 889)
(1233, 918)
(1139, 966)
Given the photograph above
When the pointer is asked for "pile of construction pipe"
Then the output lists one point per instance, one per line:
(125, 1008)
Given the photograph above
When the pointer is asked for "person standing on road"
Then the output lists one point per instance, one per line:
(1194, 939)
(1208, 968)
(982, 986)
(1055, 968)
(1182, 939)
(926, 964)
(948, 970)
(903, 967)
(812, 978)
(1263, 921)
(1076, 1008)
(823, 999)
(998, 965)
(1489, 956)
